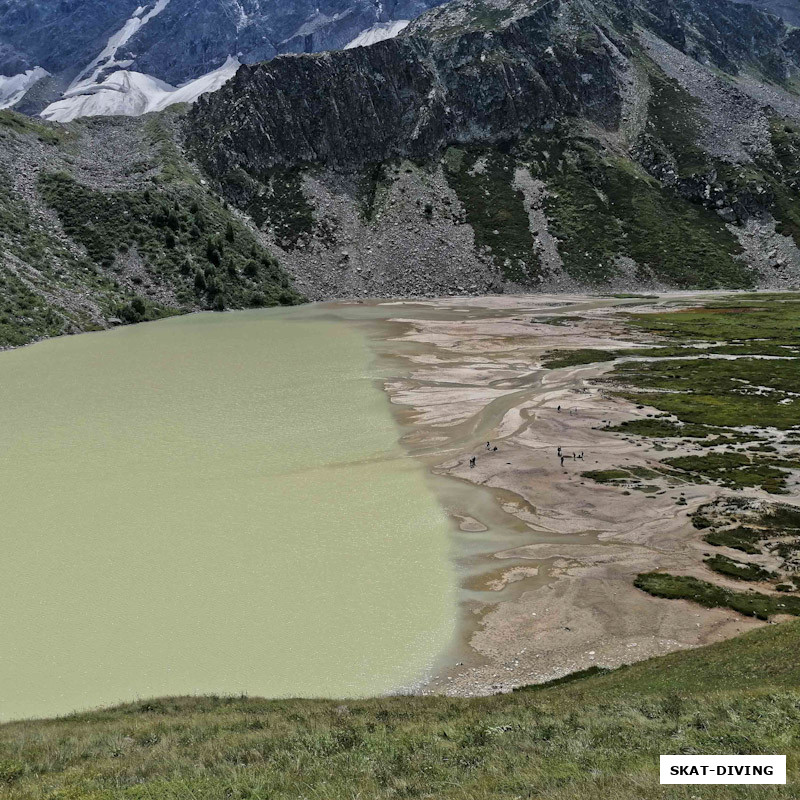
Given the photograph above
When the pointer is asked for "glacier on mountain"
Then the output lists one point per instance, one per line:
(378, 33)
(128, 93)
(13, 88)
(107, 57)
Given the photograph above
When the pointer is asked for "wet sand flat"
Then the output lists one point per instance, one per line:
(547, 558)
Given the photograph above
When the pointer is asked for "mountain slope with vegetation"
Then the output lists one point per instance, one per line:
(107, 223)
(595, 735)
(552, 144)
(495, 145)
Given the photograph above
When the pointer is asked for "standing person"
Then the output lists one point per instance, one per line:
(562, 461)
(488, 445)
(559, 409)
(559, 452)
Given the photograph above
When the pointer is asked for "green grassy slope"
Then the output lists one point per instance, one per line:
(597, 737)
(115, 226)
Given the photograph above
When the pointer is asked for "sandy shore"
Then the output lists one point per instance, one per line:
(547, 558)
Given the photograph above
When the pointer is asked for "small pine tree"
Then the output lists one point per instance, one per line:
(212, 253)
(251, 269)
(230, 234)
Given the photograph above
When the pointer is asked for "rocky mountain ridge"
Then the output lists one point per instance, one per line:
(787, 10)
(495, 145)
(538, 124)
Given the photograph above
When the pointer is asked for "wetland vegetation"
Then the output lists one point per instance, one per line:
(724, 380)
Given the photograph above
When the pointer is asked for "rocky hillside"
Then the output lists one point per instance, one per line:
(518, 144)
(104, 223)
(788, 10)
(495, 145)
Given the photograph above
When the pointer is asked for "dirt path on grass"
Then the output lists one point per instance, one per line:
(547, 557)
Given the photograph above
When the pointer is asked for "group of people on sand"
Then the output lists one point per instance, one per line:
(474, 460)
(561, 455)
(575, 456)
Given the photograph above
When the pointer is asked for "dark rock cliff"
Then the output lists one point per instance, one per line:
(507, 144)
(413, 95)
(410, 96)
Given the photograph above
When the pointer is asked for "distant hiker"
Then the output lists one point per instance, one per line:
(494, 449)
(559, 409)
(581, 454)
(562, 461)
(472, 462)
(488, 445)
(574, 456)
(559, 452)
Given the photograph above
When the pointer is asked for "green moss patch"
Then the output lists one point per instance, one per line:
(661, 429)
(607, 475)
(559, 359)
(751, 604)
(11, 122)
(740, 538)
(734, 470)
(483, 180)
(741, 571)
(182, 235)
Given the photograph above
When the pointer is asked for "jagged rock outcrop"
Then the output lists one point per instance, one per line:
(573, 138)
(410, 96)
(450, 80)
(788, 10)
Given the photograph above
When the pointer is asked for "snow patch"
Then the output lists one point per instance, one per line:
(107, 58)
(243, 18)
(13, 89)
(379, 32)
(131, 94)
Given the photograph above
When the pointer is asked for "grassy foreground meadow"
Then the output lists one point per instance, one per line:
(593, 736)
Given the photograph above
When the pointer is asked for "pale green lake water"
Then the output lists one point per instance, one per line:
(211, 504)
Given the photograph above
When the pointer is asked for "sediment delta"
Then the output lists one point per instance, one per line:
(548, 557)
